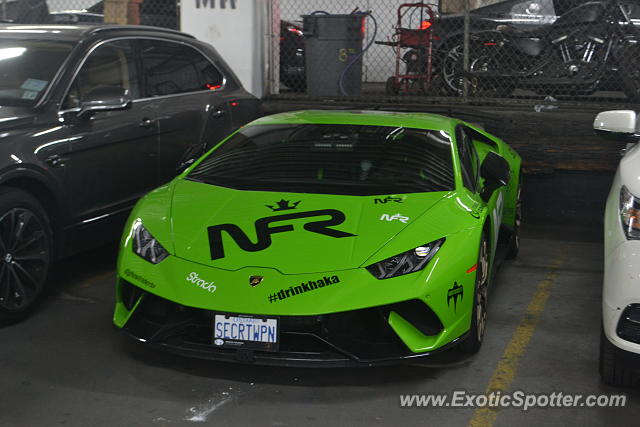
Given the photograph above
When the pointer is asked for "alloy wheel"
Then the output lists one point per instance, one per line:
(452, 69)
(24, 258)
(481, 298)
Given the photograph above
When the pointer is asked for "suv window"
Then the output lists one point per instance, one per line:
(172, 68)
(27, 67)
(110, 64)
(468, 159)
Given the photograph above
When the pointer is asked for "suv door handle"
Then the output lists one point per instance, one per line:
(218, 113)
(146, 123)
(56, 161)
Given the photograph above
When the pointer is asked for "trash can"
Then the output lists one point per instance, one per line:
(332, 42)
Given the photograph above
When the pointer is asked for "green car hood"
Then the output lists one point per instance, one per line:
(318, 235)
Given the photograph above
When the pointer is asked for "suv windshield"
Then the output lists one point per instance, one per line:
(331, 159)
(27, 67)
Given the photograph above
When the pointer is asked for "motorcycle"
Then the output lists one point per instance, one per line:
(589, 48)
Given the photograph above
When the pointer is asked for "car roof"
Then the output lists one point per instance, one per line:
(79, 32)
(361, 117)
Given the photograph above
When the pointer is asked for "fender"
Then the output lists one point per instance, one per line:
(43, 178)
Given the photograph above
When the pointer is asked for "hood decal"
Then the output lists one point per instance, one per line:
(231, 229)
(387, 200)
(264, 230)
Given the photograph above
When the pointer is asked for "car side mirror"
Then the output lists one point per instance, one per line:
(496, 173)
(105, 98)
(183, 166)
(618, 125)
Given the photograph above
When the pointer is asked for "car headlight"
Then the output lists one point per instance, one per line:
(630, 214)
(146, 246)
(406, 262)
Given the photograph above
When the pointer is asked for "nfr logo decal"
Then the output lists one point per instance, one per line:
(265, 228)
(387, 199)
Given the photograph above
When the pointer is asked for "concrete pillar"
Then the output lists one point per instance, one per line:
(116, 11)
(122, 11)
(133, 13)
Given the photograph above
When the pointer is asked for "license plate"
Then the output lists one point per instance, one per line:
(247, 332)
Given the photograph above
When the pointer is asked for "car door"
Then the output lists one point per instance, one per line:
(470, 172)
(186, 88)
(113, 158)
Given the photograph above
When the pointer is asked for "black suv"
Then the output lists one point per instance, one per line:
(92, 118)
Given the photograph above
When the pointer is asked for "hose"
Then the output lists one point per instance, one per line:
(360, 55)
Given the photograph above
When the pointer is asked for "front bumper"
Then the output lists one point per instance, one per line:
(621, 283)
(621, 297)
(336, 318)
(354, 338)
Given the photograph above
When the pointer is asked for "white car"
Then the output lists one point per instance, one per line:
(620, 341)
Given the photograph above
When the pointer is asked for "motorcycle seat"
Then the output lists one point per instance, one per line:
(532, 33)
(529, 42)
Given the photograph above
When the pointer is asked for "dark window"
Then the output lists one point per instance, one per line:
(27, 68)
(331, 159)
(468, 159)
(210, 77)
(110, 64)
(172, 68)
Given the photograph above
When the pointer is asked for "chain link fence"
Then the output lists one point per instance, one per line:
(540, 52)
(160, 13)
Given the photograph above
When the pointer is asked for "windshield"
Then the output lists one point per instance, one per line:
(27, 67)
(331, 159)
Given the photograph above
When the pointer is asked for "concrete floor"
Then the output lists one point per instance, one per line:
(67, 365)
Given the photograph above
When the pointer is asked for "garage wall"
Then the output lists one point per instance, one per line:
(239, 32)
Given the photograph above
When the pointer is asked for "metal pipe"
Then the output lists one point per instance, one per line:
(465, 50)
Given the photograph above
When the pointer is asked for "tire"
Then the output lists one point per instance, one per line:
(630, 73)
(391, 87)
(514, 244)
(452, 68)
(474, 339)
(452, 74)
(613, 370)
(26, 253)
(494, 88)
(630, 80)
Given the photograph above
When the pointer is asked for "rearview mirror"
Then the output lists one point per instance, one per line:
(105, 98)
(619, 125)
(496, 173)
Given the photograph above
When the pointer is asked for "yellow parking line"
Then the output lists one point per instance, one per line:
(93, 280)
(507, 368)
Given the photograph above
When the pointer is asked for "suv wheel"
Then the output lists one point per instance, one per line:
(25, 253)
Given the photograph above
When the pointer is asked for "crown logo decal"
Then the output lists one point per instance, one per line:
(283, 205)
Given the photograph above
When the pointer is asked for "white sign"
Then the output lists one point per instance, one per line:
(237, 29)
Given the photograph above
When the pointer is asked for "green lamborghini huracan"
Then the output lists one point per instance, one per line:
(324, 238)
